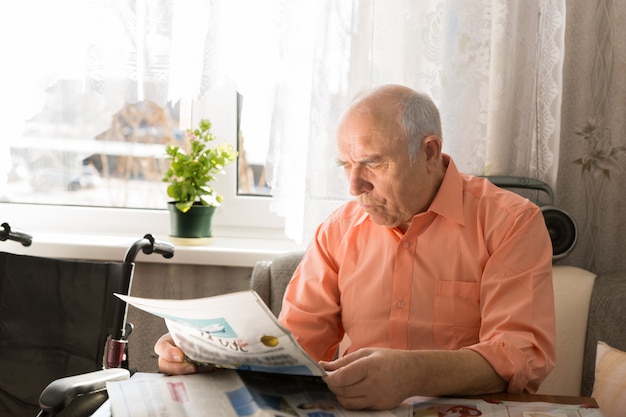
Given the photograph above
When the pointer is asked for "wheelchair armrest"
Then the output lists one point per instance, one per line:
(60, 392)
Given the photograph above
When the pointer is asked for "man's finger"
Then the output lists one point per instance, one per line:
(171, 357)
(344, 360)
(176, 368)
(347, 376)
(166, 349)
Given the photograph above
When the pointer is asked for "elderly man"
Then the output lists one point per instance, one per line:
(442, 281)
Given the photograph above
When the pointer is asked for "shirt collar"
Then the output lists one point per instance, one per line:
(361, 218)
(448, 201)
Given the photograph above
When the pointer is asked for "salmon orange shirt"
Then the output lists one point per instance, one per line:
(474, 271)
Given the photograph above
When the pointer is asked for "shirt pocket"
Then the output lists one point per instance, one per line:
(457, 315)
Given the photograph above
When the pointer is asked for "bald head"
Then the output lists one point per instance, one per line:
(414, 114)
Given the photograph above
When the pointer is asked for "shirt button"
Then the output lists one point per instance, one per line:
(407, 245)
(400, 304)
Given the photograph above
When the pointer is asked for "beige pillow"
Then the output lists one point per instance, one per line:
(609, 387)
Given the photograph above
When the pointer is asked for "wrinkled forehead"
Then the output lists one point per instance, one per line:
(371, 121)
(364, 136)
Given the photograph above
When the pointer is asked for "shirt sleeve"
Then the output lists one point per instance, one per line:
(311, 307)
(517, 335)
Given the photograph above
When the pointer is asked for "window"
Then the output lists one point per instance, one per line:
(103, 92)
(121, 167)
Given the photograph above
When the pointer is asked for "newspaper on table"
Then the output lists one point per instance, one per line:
(230, 393)
(235, 331)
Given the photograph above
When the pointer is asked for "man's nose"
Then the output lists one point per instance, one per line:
(358, 183)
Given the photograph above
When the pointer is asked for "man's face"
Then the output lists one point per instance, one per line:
(374, 155)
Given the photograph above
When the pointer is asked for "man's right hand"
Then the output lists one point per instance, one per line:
(171, 358)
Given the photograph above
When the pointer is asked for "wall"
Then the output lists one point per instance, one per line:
(592, 176)
(177, 281)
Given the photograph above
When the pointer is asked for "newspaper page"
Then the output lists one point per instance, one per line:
(235, 331)
(221, 394)
(228, 393)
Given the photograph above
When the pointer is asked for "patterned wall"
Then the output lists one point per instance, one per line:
(591, 180)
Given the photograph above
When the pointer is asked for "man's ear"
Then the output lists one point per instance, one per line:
(432, 148)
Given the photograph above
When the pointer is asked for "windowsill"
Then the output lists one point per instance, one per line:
(106, 235)
(220, 251)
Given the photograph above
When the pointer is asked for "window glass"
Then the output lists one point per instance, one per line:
(59, 160)
(96, 92)
(103, 146)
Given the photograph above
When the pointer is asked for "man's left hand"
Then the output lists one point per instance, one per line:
(371, 378)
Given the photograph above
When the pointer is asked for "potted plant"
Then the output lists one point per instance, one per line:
(193, 168)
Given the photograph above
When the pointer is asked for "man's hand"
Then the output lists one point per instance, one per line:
(371, 378)
(171, 358)
(380, 379)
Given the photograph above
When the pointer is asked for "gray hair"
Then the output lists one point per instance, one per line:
(419, 118)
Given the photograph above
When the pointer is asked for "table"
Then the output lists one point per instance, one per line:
(558, 399)
(128, 391)
(524, 397)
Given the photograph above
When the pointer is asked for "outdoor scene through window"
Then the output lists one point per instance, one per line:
(97, 95)
(57, 160)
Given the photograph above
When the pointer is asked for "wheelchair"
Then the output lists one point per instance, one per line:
(59, 318)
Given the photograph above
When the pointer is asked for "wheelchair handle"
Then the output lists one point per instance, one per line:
(6, 233)
(162, 248)
(149, 245)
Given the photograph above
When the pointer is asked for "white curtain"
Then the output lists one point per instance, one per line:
(492, 66)
(105, 53)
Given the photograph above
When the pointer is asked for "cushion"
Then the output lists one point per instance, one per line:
(572, 292)
(270, 278)
(607, 321)
(609, 388)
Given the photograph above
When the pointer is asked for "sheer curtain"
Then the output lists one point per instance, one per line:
(162, 51)
(116, 51)
(492, 66)
(70, 65)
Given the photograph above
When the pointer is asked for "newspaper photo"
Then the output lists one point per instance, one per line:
(234, 331)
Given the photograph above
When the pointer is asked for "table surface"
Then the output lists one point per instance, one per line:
(559, 399)
(520, 397)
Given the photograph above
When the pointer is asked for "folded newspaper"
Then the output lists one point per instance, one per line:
(235, 331)
(230, 393)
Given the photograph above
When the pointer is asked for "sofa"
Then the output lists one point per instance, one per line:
(589, 309)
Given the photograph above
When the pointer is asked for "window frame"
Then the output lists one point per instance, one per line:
(239, 216)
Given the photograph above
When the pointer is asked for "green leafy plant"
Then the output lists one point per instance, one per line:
(193, 169)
